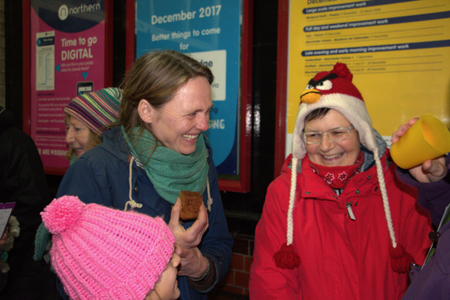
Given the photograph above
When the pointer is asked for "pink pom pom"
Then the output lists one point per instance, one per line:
(286, 258)
(62, 213)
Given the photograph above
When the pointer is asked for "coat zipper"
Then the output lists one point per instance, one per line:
(350, 211)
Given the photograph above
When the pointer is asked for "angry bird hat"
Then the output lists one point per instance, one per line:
(335, 90)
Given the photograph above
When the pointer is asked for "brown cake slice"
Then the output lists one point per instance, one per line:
(190, 204)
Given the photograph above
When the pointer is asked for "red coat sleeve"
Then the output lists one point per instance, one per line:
(267, 281)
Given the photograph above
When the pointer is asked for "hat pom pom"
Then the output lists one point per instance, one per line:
(400, 259)
(62, 213)
(342, 70)
(286, 258)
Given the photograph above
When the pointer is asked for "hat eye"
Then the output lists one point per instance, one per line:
(309, 86)
(324, 85)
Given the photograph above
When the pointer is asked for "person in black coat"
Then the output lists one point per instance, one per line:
(23, 181)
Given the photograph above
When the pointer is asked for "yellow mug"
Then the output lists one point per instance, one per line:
(428, 138)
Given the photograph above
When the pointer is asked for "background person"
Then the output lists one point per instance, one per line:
(336, 223)
(430, 280)
(87, 116)
(104, 253)
(23, 181)
(158, 150)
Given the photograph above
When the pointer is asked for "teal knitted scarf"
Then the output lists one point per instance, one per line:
(169, 171)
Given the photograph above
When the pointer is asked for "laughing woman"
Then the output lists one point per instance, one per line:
(156, 151)
(337, 223)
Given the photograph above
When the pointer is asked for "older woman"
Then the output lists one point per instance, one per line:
(87, 116)
(158, 150)
(336, 224)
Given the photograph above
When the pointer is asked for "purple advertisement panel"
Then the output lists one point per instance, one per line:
(67, 59)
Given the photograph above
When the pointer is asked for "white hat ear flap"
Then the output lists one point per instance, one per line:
(286, 257)
(400, 259)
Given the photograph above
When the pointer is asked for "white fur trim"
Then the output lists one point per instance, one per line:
(351, 107)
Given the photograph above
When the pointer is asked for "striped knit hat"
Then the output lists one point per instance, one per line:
(96, 109)
(100, 252)
(335, 90)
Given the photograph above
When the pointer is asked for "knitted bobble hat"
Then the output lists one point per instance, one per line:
(104, 253)
(335, 90)
(96, 109)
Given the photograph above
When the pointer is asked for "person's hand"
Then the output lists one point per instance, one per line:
(5, 236)
(430, 170)
(402, 130)
(191, 237)
(193, 263)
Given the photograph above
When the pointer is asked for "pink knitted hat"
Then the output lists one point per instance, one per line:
(104, 253)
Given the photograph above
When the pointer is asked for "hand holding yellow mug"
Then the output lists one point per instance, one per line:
(428, 138)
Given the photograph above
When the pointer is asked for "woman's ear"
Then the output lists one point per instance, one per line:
(146, 111)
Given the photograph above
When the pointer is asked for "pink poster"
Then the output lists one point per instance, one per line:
(67, 44)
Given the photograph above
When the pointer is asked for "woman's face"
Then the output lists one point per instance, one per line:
(178, 123)
(167, 286)
(328, 153)
(78, 136)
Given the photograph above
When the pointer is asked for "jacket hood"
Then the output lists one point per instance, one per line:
(114, 142)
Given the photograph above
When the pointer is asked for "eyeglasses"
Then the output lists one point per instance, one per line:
(335, 135)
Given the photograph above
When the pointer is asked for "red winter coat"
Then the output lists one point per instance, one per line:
(340, 258)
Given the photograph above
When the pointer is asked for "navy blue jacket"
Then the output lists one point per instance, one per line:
(101, 176)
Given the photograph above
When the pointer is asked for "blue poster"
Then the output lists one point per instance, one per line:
(210, 32)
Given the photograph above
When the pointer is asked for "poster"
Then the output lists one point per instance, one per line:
(67, 41)
(397, 50)
(209, 31)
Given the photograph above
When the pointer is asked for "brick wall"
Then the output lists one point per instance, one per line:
(235, 284)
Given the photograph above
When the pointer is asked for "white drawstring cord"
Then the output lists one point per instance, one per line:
(133, 204)
(210, 200)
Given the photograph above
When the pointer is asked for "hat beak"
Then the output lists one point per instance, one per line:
(310, 96)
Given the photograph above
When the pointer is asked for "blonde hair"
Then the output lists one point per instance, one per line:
(92, 137)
